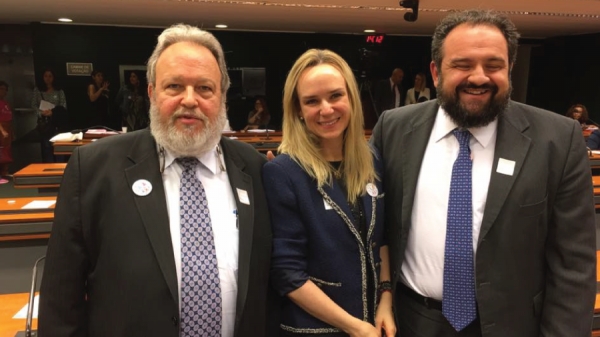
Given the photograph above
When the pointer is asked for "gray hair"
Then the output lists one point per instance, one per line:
(186, 33)
(474, 17)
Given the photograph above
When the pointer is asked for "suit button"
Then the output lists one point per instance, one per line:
(175, 320)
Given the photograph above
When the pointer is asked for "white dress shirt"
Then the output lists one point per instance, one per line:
(223, 217)
(423, 267)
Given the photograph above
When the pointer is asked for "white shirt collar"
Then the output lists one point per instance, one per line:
(208, 159)
(444, 125)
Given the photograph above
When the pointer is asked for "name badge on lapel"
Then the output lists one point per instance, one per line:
(243, 196)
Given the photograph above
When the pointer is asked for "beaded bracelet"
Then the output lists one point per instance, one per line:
(384, 286)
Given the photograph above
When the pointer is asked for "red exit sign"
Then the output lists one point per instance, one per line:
(375, 39)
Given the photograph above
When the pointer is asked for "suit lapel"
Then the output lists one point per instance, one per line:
(512, 145)
(241, 182)
(413, 144)
(153, 208)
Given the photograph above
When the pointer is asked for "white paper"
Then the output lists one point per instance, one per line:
(45, 105)
(260, 130)
(22, 314)
(506, 166)
(243, 196)
(67, 137)
(39, 204)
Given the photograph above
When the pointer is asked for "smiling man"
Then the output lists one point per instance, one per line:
(488, 201)
(164, 232)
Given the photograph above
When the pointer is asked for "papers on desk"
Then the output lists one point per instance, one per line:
(101, 132)
(22, 314)
(260, 130)
(45, 105)
(596, 151)
(67, 137)
(37, 204)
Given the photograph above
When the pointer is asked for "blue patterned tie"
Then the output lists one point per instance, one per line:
(458, 303)
(200, 285)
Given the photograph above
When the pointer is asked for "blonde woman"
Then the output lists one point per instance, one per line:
(330, 261)
(419, 93)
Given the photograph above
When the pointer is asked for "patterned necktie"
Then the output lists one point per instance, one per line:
(458, 302)
(200, 285)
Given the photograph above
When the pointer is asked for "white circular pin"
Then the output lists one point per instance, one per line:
(142, 187)
(372, 189)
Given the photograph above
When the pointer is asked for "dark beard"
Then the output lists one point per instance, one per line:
(487, 113)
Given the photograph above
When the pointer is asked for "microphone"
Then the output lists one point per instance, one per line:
(28, 332)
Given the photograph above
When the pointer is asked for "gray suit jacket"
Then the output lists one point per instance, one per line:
(536, 261)
(110, 269)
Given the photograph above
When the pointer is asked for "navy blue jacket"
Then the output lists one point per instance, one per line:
(314, 238)
(593, 141)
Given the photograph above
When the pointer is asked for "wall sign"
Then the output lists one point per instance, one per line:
(79, 69)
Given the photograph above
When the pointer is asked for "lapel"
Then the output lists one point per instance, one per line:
(241, 181)
(511, 144)
(413, 144)
(336, 198)
(153, 208)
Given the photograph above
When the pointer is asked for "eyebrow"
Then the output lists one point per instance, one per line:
(330, 92)
(466, 59)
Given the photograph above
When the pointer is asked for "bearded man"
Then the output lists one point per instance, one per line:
(489, 203)
(164, 232)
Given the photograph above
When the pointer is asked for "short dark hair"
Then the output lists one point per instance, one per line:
(474, 17)
(4, 84)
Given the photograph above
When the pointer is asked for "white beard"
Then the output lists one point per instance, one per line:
(187, 142)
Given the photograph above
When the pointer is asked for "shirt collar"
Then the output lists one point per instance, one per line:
(208, 159)
(444, 125)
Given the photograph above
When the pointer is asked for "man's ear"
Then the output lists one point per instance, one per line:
(150, 92)
(434, 73)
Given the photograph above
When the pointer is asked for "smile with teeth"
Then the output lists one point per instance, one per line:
(476, 91)
(328, 123)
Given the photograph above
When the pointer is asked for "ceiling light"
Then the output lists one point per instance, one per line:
(369, 30)
(221, 26)
(65, 20)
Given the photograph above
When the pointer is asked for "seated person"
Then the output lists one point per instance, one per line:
(579, 113)
(593, 141)
(259, 117)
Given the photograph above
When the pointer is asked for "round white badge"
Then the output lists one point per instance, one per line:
(372, 189)
(142, 187)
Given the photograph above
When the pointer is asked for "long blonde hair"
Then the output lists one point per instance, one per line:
(300, 144)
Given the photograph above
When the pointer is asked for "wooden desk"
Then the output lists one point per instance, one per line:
(19, 224)
(40, 176)
(66, 148)
(11, 304)
(594, 160)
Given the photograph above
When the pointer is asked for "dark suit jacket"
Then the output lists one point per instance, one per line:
(110, 269)
(536, 262)
(320, 244)
(384, 97)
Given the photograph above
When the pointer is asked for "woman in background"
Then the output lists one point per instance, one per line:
(6, 134)
(325, 197)
(50, 121)
(132, 100)
(98, 95)
(419, 93)
(259, 117)
(579, 113)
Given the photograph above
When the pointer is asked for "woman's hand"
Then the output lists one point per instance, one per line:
(105, 85)
(384, 317)
(4, 133)
(364, 329)
(46, 113)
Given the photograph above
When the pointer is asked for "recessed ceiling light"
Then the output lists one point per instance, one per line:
(221, 26)
(369, 30)
(65, 20)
